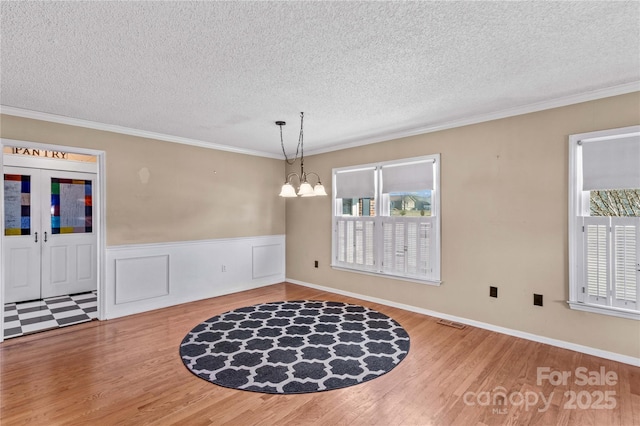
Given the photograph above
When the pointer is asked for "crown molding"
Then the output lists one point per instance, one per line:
(607, 92)
(53, 118)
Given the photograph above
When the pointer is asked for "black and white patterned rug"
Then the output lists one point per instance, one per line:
(294, 347)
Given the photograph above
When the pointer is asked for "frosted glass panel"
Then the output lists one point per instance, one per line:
(17, 205)
(71, 206)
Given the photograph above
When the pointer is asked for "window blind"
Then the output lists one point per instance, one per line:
(355, 184)
(408, 177)
(611, 163)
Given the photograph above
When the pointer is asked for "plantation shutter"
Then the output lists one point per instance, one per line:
(393, 246)
(412, 248)
(611, 163)
(626, 261)
(349, 249)
(341, 236)
(355, 184)
(364, 243)
(409, 177)
(596, 249)
(426, 246)
(355, 240)
(369, 244)
(407, 245)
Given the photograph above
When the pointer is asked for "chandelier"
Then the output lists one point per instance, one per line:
(305, 189)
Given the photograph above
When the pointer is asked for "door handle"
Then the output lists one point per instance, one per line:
(45, 236)
(36, 234)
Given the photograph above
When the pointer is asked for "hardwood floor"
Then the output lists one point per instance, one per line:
(128, 371)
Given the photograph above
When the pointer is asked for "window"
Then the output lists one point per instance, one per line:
(386, 219)
(604, 222)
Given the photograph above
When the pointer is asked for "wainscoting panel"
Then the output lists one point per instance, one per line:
(140, 278)
(266, 260)
(151, 276)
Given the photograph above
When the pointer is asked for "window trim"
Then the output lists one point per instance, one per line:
(575, 223)
(435, 212)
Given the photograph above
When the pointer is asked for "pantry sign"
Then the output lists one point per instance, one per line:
(45, 153)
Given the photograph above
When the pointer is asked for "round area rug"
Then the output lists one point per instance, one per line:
(294, 347)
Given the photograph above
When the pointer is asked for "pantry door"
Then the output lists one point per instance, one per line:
(69, 238)
(54, 251)
(22, 234)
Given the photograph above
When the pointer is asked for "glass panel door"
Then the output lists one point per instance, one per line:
(69, 253)
(22, 237)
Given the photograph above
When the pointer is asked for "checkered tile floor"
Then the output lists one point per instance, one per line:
(60, 311)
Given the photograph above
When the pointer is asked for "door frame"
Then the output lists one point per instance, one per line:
(99, 220)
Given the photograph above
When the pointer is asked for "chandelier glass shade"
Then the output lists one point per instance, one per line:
(305, 189)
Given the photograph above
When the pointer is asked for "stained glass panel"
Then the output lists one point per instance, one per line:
(17, 205)
(71, 206)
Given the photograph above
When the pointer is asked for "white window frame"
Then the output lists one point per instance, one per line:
(577, 204)
(377, 269)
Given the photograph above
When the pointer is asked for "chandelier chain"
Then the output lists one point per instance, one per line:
(299, 148)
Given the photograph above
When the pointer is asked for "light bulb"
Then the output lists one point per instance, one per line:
(287, 191)
(306, 190)
(319, 189)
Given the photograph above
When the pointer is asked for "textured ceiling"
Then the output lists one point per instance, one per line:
(223, 72)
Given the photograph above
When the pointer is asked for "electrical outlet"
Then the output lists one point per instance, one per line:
(537, 299)
(224, 268)
(315, 263)
(493, 291)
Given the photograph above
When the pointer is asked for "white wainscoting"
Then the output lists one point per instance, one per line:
(151, 276)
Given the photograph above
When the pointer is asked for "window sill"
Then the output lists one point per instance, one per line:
(395, 277)
(605, 310)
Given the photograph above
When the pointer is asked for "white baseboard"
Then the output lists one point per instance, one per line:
(145, 277)
(508, 331)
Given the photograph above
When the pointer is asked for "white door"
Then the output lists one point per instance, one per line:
(69, 239)
(22, 234)
(59, 255)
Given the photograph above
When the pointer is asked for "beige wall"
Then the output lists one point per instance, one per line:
(192, 193)
(504, 223)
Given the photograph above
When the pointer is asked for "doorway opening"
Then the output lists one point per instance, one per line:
(52, 237)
